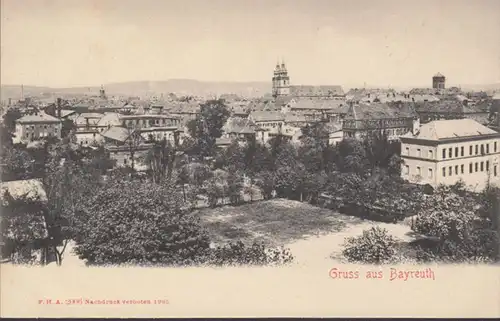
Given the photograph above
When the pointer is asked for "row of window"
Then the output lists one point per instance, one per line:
(457, 169)
(473, 168)
(473, 150)
(151, 122)
(458, 151)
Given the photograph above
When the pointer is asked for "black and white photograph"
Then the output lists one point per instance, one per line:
(158, 157)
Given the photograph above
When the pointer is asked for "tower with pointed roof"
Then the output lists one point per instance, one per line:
(281, 81)
(438, 81)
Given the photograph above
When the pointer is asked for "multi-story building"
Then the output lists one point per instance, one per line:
(393, 119)
(37, 126)
(447, 151)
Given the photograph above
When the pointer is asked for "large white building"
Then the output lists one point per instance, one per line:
(37, 126)
(446, 151)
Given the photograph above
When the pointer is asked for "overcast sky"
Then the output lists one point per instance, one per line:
(380, 42)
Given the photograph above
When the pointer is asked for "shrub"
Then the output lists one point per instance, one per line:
(374, 246)
(256, 254)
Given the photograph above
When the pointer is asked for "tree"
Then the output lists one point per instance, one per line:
(265, 181)
(207, 127)
(69, 183)
(161, 160)
(68, 126)
(454, 217)
(22, 226)
(16, 164)
(10, 118)
(374, 246)
(135, 223)
(352, 156)
(379, 150)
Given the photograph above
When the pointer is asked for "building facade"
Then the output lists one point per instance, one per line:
(447, 151)
(393, 120)
(37, 126)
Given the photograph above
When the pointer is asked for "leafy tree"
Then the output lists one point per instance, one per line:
(69, 183)
(374, 246)
(131, 223)
(161, 160)
(454, 217)
(22, 225)
(379, 150)
(16, 164)
(352, 156)
(68, 126)
(265, 181)
(208, 126)
(10, 117)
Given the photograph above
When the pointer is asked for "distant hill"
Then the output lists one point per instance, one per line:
(146, 88)
(179, 87)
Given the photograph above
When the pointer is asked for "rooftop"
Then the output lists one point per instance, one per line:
(30, 188)
(316, 91)
(380, 111)
(453, 128)
(117, 133)
(38, 118)
(266, 116)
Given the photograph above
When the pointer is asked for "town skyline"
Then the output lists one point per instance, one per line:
(402, 44)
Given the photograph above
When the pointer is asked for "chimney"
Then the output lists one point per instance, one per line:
(58, 108)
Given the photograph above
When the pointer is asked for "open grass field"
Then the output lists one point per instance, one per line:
(310, 232)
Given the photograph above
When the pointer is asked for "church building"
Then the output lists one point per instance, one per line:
(282, 87)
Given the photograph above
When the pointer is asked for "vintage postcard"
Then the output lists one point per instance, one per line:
(242, 158)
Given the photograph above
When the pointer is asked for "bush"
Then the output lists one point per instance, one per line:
(256, 254)
(374, 246)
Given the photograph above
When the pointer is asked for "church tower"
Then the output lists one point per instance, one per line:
(281, 81)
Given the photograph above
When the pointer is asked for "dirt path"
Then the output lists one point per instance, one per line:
(327, 248)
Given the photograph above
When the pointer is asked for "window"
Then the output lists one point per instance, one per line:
(430, 172)
(456, 169)
(444, 171)
(495, 170)
(487, 148)
(431, 154)
(456, 151)
(407, 151)
(462, 168)
(477, 149)
(475, 167)
(419, 152)
(470, 150)
(470, 167)
(450, 170)
(482, 166)
(487, 165)
(419, 171)
(462, 151)
(444, 153)
(450, 152)
(495, 147)
(482, 149)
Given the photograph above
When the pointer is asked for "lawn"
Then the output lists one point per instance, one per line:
(276, 221)
(313, 234)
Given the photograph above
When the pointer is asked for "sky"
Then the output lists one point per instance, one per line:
(63, 43)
